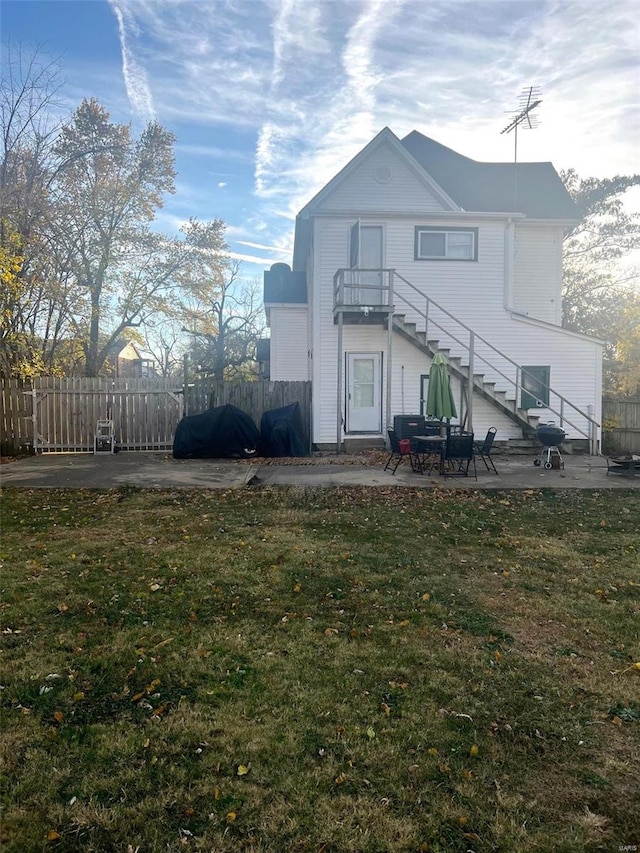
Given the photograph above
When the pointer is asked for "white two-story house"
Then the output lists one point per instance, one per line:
(412, 249)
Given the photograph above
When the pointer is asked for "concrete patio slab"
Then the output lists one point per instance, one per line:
(149, 470)
(158, 470)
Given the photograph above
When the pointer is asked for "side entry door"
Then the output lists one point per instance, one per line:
(364, 397)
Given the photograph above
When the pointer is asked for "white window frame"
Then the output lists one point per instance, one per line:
(437, 229)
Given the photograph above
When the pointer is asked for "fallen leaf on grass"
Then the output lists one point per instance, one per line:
(371, 733)
(473, 751)
(243, 769)
(340, 779)
(384, 707)
(52, 835)
(231, 816)
(58, 716)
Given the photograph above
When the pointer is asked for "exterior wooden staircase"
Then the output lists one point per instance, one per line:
(487, 390)
(361, 299)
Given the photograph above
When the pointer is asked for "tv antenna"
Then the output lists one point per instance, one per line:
(522, 117)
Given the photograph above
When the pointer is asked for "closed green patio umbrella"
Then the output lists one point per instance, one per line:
(440, 402)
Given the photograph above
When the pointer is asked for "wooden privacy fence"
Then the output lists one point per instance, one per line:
(621, 424)
(254, 398)
(60, 415)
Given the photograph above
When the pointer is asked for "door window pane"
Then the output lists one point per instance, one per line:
(363, 396)
(363, 369)
(535, 386)
(363, 387)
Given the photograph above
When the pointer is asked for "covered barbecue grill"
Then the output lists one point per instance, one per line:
(550, 437)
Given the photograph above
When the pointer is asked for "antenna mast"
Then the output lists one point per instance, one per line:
(523, 116)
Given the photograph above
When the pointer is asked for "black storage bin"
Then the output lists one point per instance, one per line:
(406, 426)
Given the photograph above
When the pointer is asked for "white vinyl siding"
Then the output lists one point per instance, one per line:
(537, 279)
(472, 292)
(289, 344)
(400, 190)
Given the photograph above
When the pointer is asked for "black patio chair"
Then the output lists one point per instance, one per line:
(458, 456)
(400, 450)
(484, 449)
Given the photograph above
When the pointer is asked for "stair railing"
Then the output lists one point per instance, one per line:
(473, 353)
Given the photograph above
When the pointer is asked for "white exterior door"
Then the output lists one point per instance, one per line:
(366, 252)
(364, 409)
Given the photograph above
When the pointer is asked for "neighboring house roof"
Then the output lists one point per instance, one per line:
(489, 187)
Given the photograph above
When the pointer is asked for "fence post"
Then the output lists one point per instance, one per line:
(185, 381)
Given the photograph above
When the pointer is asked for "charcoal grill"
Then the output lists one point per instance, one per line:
(551, 437)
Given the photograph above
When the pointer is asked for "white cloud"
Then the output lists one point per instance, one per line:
(134, 75)
(222, 184)
(312, 82)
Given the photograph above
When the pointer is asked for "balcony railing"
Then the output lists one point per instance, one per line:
(363, 288)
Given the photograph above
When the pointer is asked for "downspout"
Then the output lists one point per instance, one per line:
(507, 299)
(509, 253)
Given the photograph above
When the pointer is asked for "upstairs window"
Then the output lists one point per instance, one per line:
(434, 243)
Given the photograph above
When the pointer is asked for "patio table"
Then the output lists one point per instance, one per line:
(428, 449)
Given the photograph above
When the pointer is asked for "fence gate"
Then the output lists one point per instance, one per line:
(65, 417)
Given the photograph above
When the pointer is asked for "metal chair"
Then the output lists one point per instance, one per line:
(458, 456)
(484, 450)
(400, 450)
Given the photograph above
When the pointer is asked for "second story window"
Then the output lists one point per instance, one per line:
(435, 243)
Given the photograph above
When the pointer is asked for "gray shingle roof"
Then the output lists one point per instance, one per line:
(489, 187)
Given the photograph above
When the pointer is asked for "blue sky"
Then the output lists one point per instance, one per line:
(268, 99)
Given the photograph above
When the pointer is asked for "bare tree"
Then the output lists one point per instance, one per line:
(219, 308)
(105, 192)
(33, 321)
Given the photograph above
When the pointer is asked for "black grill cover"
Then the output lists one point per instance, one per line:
(282, 432)
(225, 431)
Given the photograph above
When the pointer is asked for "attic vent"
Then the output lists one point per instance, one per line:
(383, 174)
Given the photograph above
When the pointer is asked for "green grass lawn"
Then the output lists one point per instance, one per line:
(320, 670)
